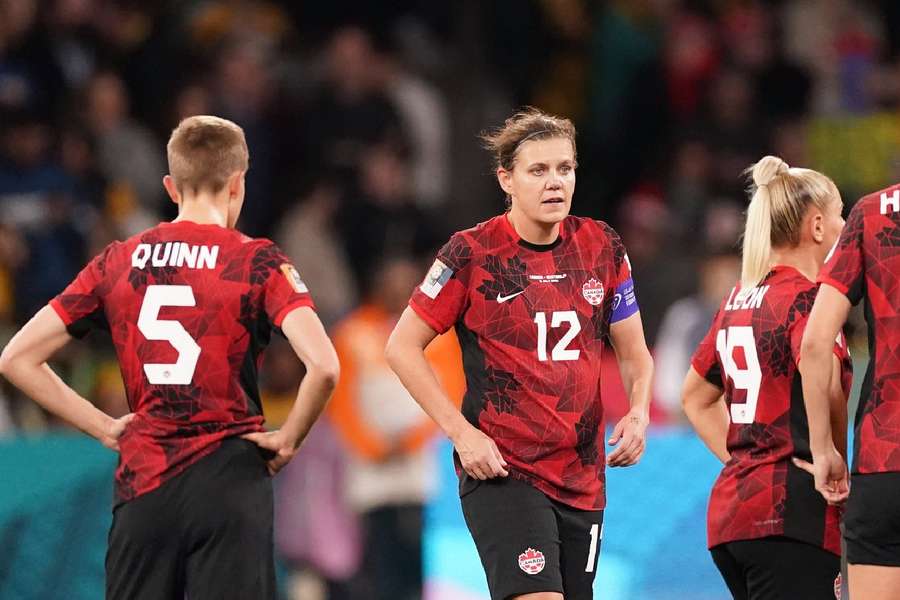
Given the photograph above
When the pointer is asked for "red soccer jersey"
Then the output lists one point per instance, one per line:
(866, 264)
(532, 322)
(752, 351)
(190, 308)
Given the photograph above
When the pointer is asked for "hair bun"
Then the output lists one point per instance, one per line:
(767, 169)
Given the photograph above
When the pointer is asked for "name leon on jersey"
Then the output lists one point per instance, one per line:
(744, 299)
(175, 254)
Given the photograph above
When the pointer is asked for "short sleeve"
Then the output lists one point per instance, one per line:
(844, 269)
(705, 361)
(624, 299)
(441, 297)
(283, 289)
(802, 307)
(80, 305)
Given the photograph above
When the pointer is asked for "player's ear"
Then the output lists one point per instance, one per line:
(172, 189)
(818, 227)
(236, 184)
(504, 177)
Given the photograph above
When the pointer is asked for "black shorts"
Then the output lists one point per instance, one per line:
(777, 568)
(529, 543)
(872, 520)
(207, 532)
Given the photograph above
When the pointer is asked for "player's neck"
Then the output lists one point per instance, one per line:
(531, 231)
(802, 260)
(204, 210)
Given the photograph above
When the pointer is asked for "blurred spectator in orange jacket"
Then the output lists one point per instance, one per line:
(390, 475)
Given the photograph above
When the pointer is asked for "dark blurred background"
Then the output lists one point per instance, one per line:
(361, 118)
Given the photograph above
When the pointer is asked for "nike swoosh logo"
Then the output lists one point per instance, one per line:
(501, 299)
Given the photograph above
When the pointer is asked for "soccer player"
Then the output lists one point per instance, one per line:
(770, 534)
(864, 266)
(534, 295)
(190, 306)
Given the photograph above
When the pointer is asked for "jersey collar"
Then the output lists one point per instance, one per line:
(507, 226)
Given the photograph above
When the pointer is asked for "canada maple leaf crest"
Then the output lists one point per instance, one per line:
(532, 561)
(592, 290)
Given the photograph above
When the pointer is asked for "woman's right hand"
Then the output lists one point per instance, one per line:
(479, 454)
(830, 473)
(114, 430)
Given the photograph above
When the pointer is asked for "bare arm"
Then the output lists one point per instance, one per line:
(828, 315)
(405, 352)
(707, 412)
(636, 369)
(817, 366)
(24, 364)
(838, 406)
(307, 337)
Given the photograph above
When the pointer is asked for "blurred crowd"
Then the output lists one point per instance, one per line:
(361, 119)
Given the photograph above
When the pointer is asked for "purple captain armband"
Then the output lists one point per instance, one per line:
(624, 302)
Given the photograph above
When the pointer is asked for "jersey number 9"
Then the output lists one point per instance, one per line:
(746, 378)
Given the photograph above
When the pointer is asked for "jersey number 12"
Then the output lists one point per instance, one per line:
(561, 351)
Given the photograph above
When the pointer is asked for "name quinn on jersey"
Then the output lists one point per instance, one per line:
(175, 254)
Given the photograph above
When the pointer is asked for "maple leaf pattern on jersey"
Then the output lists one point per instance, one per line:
(506, 279)
(889, 237)
(456, 253)
(500, 384)
(264, 263)
(853, 228)
(757, 435)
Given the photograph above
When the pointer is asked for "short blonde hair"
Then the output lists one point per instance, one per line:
(780, 198)
(204, 151)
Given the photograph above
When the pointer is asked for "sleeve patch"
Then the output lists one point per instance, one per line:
(438, 275)
(293, 278)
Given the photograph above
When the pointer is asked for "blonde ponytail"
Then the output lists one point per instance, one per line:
(781, 197)
(757, 245)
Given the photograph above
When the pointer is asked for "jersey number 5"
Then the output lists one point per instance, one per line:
(180, 372)
(744, 378)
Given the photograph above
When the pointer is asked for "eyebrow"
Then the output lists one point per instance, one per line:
(565, 161)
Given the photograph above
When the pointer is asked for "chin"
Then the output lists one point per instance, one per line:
(553, 215)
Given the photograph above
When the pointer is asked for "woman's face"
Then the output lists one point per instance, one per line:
(542, 180)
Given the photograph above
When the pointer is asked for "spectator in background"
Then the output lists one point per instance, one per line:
(383, 218)
(308, 235)
(732, 128)
(645, 227)
(29, 75)
(684, 325)
(391, 467)
(840, 42)
(127, 152)
(351, 111)
(242, 92)
(424, 117)
(688, 189)
(37, 203)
